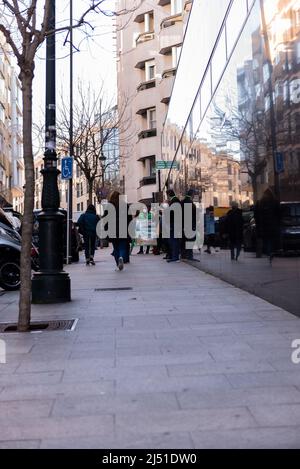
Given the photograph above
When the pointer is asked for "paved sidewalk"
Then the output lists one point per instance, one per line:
(183, 360)
(278, 283)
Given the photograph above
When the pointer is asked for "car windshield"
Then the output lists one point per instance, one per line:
(290, 214)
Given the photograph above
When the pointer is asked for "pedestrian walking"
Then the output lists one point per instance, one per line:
(121, 241)
(234, 229)
(209, 228)
(267, 218)
(175, 226)
(87, 227)
(189, 224)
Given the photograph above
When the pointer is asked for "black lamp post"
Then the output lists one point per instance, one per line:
(51, 284)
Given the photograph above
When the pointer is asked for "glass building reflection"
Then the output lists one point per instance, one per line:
(234, 118)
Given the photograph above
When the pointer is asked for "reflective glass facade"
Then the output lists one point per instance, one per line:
(234, 118)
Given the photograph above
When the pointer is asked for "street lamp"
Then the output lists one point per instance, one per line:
(51, 284)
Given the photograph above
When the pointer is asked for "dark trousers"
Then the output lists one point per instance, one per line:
(174, 248)
(186, 253)
(235, 248)
(89, 245)
(120, 249)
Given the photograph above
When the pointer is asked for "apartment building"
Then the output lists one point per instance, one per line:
(149, 39)
(11, 161)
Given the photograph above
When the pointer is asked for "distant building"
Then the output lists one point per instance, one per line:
(11, 157)
(149, 40)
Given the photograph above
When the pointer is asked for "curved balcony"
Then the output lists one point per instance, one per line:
(166, 85)
(170, 37)
(148, 181)
(145, 100)
(148, 133)
(145, 85)
(144, 37)
(171, 21)
(148, 146)
(145, 192)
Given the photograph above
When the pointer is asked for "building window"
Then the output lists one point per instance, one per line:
(78, 189)
(78, 207)
(151, 118)
(150, 70)
(216, 201)
(230, 185)
(176, 7)
(229, 169)
(148, 22)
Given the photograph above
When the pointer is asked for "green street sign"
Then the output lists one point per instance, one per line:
(167, 165)
(161, 165)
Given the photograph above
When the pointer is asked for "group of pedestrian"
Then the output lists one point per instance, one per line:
(178, 243)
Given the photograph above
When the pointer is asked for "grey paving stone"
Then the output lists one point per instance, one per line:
(31, 378)
(52, 391)
(167, 440)
(184, 420)
(25, 409)
(94, 405)
(235, 366)
(56, 427)
(172, 384)
(276, 415)
(279, 378)
(23, 444)
(258, 438)
(239, 397)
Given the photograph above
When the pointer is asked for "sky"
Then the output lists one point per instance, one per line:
(93, 64)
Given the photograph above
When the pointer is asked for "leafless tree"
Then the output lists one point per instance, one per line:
(246, 130)
(97, 131)
(24, 24)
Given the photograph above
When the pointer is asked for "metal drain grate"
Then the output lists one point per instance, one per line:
(57, 325)
(114, 289)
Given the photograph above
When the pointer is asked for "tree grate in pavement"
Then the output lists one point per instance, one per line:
(56, 325)
(114, 289)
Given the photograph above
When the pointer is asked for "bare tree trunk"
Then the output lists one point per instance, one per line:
(25, 292)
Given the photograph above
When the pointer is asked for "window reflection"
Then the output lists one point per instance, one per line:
(249, 138)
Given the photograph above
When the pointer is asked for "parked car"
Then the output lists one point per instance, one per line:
(10, 250)
(290, 226)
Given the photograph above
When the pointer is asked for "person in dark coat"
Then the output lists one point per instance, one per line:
(189, 224)
(234, 228)
(121, 243)
(267, 220)
(87, 227)
(175, 235)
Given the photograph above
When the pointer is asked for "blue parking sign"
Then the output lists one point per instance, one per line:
(67, 168)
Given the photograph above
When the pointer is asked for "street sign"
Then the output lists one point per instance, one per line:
(167, 165)
(160, 165)
(67, 168)
(279, 162)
